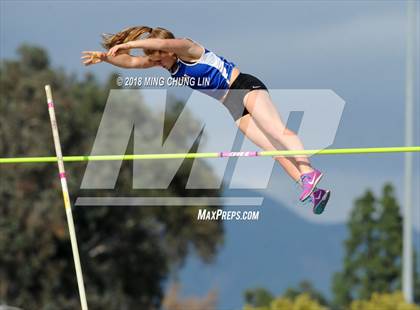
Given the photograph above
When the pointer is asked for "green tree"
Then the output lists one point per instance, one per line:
(416, 279)
(394, 301)
(261, 297)
(126, 252)
(306, 287)
(356, 278)
(389, 227)
(372, 261)
(258, 297)
(300, 302)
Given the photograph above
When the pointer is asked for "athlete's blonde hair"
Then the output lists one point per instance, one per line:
(133, 33)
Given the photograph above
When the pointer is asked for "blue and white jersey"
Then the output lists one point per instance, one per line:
(210, 74)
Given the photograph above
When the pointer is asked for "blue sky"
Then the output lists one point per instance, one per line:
(355, 48)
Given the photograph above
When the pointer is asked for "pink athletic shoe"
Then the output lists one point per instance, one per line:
(319, 199)
(309, 181)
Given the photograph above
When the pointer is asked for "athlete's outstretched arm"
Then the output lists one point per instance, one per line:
(178, 46)
(123, 60)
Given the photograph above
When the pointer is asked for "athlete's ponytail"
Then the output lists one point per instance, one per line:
(133, 33)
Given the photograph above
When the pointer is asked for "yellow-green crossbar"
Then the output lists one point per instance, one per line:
(82, 158)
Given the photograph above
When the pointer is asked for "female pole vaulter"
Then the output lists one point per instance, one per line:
(249, 104)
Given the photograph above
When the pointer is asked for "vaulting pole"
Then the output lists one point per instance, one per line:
(66, 198)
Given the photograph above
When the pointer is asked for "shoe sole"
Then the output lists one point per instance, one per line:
(319, 208)
(313, 187)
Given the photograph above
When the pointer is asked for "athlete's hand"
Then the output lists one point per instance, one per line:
(92, 57)
(113, 51)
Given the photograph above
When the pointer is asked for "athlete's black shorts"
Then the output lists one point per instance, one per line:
(243, 84)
